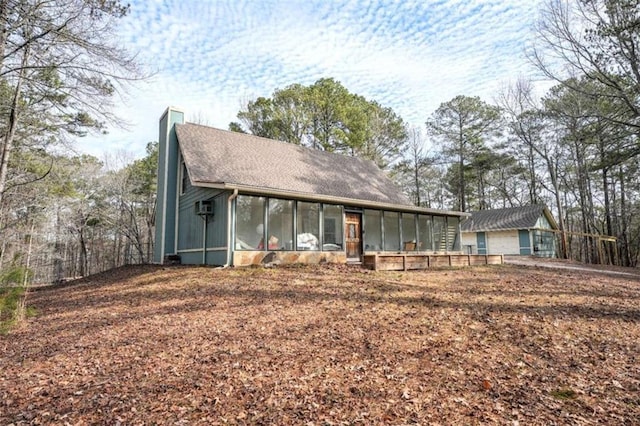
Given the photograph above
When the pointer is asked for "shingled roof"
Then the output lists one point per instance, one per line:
(220, 158)
(524, 217)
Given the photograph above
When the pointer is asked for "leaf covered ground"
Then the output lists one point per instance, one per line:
(327, 345)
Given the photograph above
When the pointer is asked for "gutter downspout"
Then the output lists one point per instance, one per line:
(229, 200)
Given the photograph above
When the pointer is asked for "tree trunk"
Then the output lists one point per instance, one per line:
(416, 181)
(609, 252)
(625, 253)
(7, 145)
(83, 254)
(22, 304)
(150, 220)
(533, 190)
(461, 184)
(586, 202)
(58, 256)
(553, 176)
(607, 213)
(4, 31)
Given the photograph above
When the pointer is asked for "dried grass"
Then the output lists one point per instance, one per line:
(327, 345)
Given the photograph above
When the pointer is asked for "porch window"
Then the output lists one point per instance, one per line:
(279, 225)
(439, 234)
(409, 241)
(308, 223)
(372, 230)
(249, 222)
(391, 231)
(332, 228)
(453, 233)
(425, 240)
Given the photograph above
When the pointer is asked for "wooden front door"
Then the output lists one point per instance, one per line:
(353, 236)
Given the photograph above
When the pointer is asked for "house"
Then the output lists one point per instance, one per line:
(527, 230)
(228, 198)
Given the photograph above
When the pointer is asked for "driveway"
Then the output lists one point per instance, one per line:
(543, 262)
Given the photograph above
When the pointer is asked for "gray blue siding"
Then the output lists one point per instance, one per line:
(191, 227)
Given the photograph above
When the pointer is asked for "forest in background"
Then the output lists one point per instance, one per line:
(574, 148)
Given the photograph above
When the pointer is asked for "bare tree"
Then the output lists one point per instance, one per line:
(59, 67)
(411, 172)
(537, 143)
(598, 40)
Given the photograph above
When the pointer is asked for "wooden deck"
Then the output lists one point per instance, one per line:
(414, 261)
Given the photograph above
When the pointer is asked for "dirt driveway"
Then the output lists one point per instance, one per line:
(543, 262)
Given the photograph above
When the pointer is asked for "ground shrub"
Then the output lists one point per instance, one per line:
(12, 293)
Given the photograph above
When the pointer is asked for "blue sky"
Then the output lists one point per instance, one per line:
(210, 57)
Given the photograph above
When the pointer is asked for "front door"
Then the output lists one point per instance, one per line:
(481, 242)
(353, 236)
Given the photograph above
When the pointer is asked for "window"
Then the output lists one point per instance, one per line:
(332, 236)
(184, 178)
(372, 230)
(279, 225)
(409, 241)
(544, 243)
(439, 236)
(453, 234)
(425, 241)
(391, 231)
(249, 222)
(308, 223)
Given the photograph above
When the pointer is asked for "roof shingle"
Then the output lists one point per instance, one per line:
(215, 156)
(524, 217)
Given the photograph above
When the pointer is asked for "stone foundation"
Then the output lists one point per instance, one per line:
(247, 258)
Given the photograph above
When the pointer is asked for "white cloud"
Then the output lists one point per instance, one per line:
(210, 56)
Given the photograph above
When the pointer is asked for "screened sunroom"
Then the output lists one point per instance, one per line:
(404, 231)
(285, 225)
